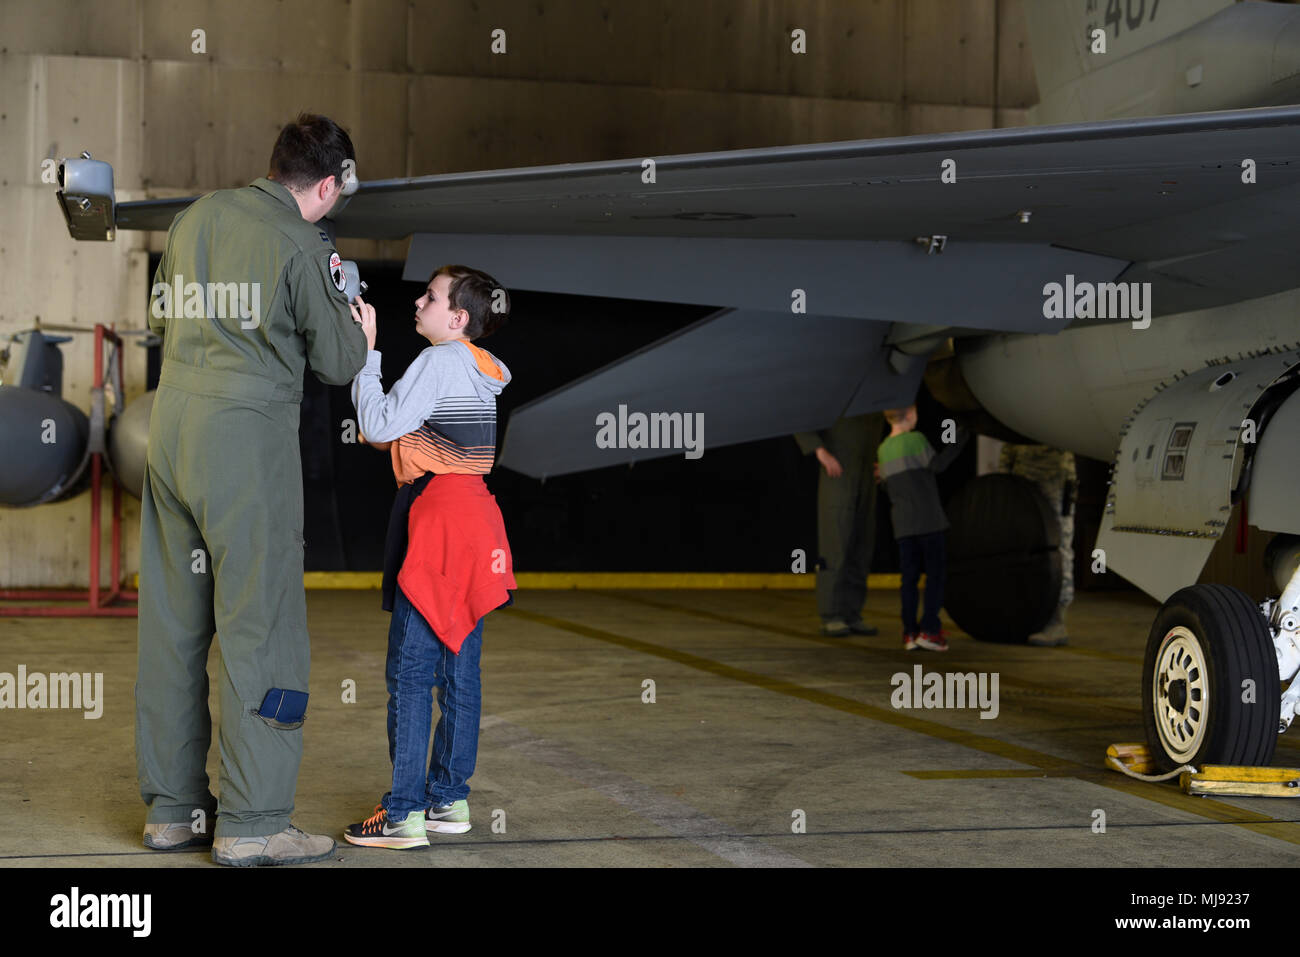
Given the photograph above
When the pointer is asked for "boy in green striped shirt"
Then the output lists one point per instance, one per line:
(908, 465)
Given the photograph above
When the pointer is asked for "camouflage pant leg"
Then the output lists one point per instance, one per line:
(1053, 493)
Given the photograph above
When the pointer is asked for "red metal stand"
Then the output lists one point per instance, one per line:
(107, 604)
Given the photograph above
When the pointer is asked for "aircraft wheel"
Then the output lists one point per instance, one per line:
(1210, 688)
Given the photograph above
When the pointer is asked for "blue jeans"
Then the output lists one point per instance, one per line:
(417, 663)
(915, 551)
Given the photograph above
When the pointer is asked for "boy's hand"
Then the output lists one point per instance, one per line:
(364, 313)
(382, 446)
(829, 462)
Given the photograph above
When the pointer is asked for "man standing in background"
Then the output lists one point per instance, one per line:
(846, 519)
(1052, 470)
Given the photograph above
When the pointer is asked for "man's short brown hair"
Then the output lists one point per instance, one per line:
(309, 149)
(894, 416)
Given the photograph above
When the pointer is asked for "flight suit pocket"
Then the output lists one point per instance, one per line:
(283, 710)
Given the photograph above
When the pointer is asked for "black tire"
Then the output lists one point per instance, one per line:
(1201, 718)
(1004, 561)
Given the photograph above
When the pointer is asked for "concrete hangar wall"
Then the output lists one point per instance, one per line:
(420, 91)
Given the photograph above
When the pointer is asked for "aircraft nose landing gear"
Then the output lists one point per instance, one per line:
(1210, 689)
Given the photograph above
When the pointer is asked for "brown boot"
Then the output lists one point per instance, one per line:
(290, 846)
(1053, 633)
(176, 835)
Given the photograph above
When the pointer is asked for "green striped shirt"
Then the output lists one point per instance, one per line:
(907, 466)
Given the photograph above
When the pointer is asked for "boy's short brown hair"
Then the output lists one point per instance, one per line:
(894, 416)
(485, 299)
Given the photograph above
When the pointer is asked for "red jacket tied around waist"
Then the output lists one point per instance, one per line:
(458, 565)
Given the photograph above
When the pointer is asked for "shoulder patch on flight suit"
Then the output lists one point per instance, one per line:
(336, 272)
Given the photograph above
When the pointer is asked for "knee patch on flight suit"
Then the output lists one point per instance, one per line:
(285, 710)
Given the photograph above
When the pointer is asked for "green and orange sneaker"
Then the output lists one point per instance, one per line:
(378, 831)
(450, 818)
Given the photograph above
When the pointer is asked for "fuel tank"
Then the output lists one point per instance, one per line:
(42, 438)
(1074, 389)
(128, 443)
(44, 441)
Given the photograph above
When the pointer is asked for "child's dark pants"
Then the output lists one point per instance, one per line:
(914, 553)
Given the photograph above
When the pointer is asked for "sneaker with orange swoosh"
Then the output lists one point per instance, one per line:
(378, 831)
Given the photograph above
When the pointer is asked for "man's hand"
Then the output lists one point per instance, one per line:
(829, 462)
(364, 314)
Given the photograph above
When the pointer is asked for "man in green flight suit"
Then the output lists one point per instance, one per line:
(846, 518)
(247, 292)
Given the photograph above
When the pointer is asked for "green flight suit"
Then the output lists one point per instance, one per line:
(221, 543)
(846, 514)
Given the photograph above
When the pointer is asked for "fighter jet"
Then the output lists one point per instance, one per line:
(1118, 279)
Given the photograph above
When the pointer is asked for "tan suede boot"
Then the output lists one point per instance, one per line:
(290, 846)
(1053, 632)
(175, 836)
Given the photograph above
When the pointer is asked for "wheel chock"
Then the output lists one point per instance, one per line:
(1243, 781)
(1135, 761)
(1134, 757)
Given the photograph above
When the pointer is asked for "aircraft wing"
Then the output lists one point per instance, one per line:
(1163, 193)
(957, 231)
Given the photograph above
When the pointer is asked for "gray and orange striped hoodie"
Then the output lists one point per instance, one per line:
(441, 415)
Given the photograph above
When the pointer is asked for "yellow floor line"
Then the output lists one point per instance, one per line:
(1208, 808)
(875, 616)
(1283, 742)
(827, 699)
(987, 773)
(808, 633)
(889, 654)
(1288, 744)
(1099, 653)
(640, 580)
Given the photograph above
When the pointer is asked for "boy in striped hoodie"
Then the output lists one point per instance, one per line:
(447, 561)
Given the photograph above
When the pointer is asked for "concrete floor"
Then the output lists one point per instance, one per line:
(756, 717)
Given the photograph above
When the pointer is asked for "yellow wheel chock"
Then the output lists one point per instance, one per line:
(1244, 781)
(1135, 761)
